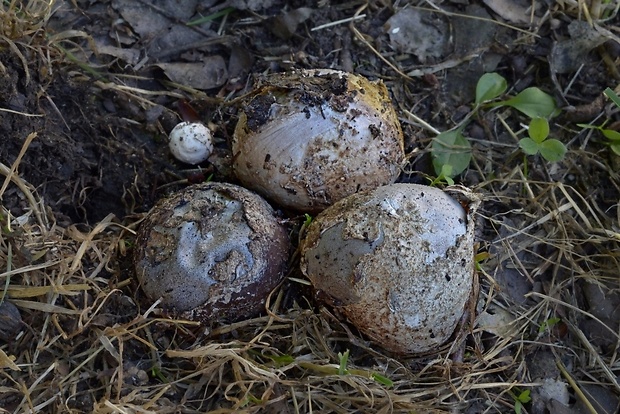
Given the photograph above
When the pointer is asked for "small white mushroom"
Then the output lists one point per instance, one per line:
(191, 142)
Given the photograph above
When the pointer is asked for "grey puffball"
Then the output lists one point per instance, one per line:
(397, 262)
(309, 138)
(211, 252)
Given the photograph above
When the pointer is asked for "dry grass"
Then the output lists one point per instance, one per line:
(85, 343)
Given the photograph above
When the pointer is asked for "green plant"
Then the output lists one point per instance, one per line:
(382, 379)
(451, 155)
(211, 17)
(451, 149)
(444, 177)
(304, 227)
(308, 220)
(548, 324)
(489, 87)
(612, 136)
(279, 360)
(251, 400)
(531, 101)
(156, 372)
(522, 398)
(343, 359)
(479, 258)
(612, 95)
(539, 142)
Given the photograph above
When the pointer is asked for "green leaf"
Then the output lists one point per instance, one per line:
(156, 372)
(250, 399)
(308, 220)
(615, 148)
(548, 324)
(490, 86)
(552, 150)
(450, 148)
(211, 17)
(343, 360)
(612, 95)
(446, 174)
(446, 171)
(443, 177)
(538, 129)
(529, 146)
(382, 379)
(524, 397)
(611, 135)
(588, 126)
(281, 360)
(518, 407)
(534, 103)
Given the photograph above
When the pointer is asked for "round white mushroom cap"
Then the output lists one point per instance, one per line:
(191, 142)
(397, 261)
(309, 138)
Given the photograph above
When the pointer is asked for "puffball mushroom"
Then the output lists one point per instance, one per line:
(307, 139)
(397, 262)
(191, 142)
(211, 252)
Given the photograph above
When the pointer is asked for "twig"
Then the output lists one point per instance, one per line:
(337, 22)
(575, 387)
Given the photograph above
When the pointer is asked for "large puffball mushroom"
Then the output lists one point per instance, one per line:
(397, 262)
(191, 142)
(211, 252)
(307, 139)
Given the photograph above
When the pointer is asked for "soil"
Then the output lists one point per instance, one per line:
(86, 161)
(101, 102)
(100, 151)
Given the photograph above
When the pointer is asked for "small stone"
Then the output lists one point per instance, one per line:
(10, 321)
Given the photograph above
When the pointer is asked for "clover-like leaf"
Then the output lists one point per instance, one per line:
(534, 103)
(529, 146)
(518, 407)
(552, 150)
(490, 86)
(538, 129)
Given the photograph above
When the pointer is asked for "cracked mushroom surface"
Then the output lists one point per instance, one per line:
(309, 138)
(211, 252)
(397, 262)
